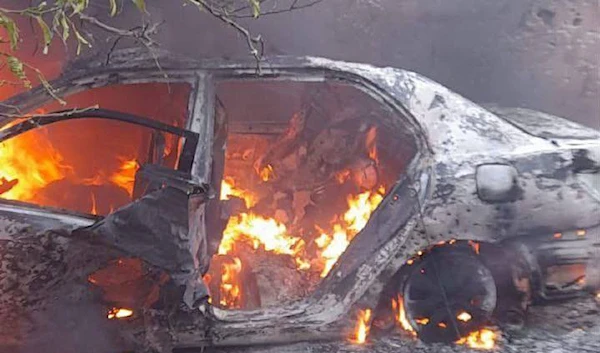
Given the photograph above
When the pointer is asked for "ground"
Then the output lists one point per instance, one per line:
(566, 327)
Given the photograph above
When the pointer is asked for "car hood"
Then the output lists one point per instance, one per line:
(544, 125)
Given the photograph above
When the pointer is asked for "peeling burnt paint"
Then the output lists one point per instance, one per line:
(438, 101)
(584, 162)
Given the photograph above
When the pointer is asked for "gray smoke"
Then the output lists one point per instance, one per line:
(540, 54)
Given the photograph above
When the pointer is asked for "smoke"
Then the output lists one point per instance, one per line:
(540, 54)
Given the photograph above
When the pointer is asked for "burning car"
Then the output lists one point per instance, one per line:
(198, 203)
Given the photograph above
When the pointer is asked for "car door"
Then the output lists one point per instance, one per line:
(66, 166)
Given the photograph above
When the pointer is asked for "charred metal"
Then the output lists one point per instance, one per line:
(486, 178)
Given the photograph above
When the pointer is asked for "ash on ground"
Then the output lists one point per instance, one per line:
(566, 327)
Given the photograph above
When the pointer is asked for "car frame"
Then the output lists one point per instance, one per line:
(475, 177)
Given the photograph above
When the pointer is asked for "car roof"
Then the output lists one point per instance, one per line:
(142, 58)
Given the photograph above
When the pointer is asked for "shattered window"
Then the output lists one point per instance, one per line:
(305, 165)
(89, 165)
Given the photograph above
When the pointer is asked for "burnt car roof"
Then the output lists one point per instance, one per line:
(142, 59)
(450, 123)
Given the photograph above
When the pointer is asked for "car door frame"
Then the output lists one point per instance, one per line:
(322, 313)
(73, 82)
(328, 312)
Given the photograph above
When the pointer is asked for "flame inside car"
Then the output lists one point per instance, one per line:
(125, 176)
(76, 164)
(27, 165)
(231, 292)
(268, 234)
(30, 163)
(255, 230)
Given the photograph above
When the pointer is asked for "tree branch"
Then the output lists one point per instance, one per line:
(293, 6)
(253, 43)
(141, 33)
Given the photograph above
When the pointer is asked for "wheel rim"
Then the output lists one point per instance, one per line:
(440, 288)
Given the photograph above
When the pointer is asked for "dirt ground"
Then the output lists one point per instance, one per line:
(565, 327)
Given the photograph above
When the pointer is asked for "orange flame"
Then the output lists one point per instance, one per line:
(336, 245)
(28, 164)
(400, 316)
(371, 143)
(475, 245)
(360, 208)
(361, 332)
(119, 313)
(94, 209)
(266, 173)
(424, 321)
(257, 231)
(228, 189)
(342, 176)
(230, 288)
(125, 177)
(267, 233)
(484, 339)
(464, 316)
(271, 235)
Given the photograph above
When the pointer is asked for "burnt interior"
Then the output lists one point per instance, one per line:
(89, 165)
(303, 165)
(299, 167)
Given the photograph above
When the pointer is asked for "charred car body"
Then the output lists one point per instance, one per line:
(485, 210)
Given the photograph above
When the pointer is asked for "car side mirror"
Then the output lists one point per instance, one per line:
(497, 183)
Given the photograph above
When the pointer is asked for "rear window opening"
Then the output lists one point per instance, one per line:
(302, 167)
(89, 165)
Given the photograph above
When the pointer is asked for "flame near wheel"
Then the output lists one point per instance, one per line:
(448, 295)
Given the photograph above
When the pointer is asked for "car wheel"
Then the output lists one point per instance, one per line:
(449, 294)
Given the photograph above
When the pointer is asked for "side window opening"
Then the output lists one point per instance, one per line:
(305, 166)
(89, 165)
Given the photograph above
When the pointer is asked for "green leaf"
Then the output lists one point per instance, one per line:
(255, 7)
(80, 40)
(49, 88)
(11, 29)
(141, 4)
(41, 6)
(17, 68)
(113, 7)
(65, 27)
(79, 5)
(45, 31)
